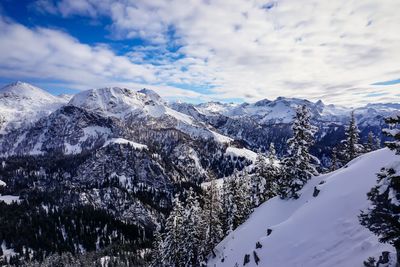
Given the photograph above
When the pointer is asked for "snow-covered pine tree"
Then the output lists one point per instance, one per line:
(272, 173)
(334, 160)
(393, 132)
(263, 181)
(258, 181)
(241, 199)
(371, 142)
(212, 226)
(383, 216)
(226, 206)
(351, 143)
(298, 166)
(158, 249)
(377, 143)
(172, 248)
(193, 230)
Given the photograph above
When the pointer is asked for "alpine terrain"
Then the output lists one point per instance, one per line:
(117, 177)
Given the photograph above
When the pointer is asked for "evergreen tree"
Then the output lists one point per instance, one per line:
(371, 142)
(172, 248)
(383, 216)
(158, 249)
(212, 226)
(351, 143)
(259, 181)
(272, 173)
(334, 161)
(263, 181)
(377, 143)
(192, 234)
(298, 166)
(226, 207)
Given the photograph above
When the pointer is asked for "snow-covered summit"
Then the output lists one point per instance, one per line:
(122, 103)
(319, 231)
(144, 105)
(282, 110)
(22, 103)
(25, 90)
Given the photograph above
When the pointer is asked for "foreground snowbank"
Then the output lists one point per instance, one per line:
(312, 231)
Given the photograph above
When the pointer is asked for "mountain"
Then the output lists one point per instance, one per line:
(142, 107)
(312, 231)
(258, 124)
(22, 104)
(110, 160)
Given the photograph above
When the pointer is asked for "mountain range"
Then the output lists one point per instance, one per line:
(120, 155)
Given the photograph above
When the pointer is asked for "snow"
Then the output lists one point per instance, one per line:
(88, 132)
(22, 103)
(7, 253)
(221, 138)
(319, 231)
(124, 141)
(8, 199)
(122, 102)
(241, 152)
(2, 183)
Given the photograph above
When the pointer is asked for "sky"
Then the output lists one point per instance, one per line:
(343, 52)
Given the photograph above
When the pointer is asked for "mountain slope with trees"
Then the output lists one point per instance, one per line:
(320, 230)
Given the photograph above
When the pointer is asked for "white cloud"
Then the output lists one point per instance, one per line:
(332, 50)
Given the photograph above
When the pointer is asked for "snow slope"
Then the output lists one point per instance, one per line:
(22, 103)
(318, 231)
(127, 104)
(123, 102)
(124, 141)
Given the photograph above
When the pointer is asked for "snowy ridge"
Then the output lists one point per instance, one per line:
(241, 152)
(123, 102)
(145, 104)
(281, 110)
(22, 103)
(124, 141)
(321, 231)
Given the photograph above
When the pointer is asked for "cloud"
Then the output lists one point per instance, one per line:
(334, 50)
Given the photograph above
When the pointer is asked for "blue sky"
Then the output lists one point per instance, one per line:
(197, 50)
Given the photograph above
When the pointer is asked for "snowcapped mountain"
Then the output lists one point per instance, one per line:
(281, 110)
(68, 130)
(121, 155)
(319, 231)
(258, 124)
(22, 104)
(143, 107)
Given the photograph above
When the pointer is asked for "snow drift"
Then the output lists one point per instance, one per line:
(321, 231)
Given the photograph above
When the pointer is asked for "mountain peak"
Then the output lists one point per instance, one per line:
(150, 94)
(26, 90)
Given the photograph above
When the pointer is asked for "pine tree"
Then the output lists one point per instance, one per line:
(172, 249)
(352, 146)
(298, 166)
(212, 226)
(271, 173)
(192, 234)
(259, 181)
(158, 249)
(263, 181)
(383, 216)
(377, 143)
(240, 199)
(226, 207)
(245, 201)
(334, 161)
(371, 142)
